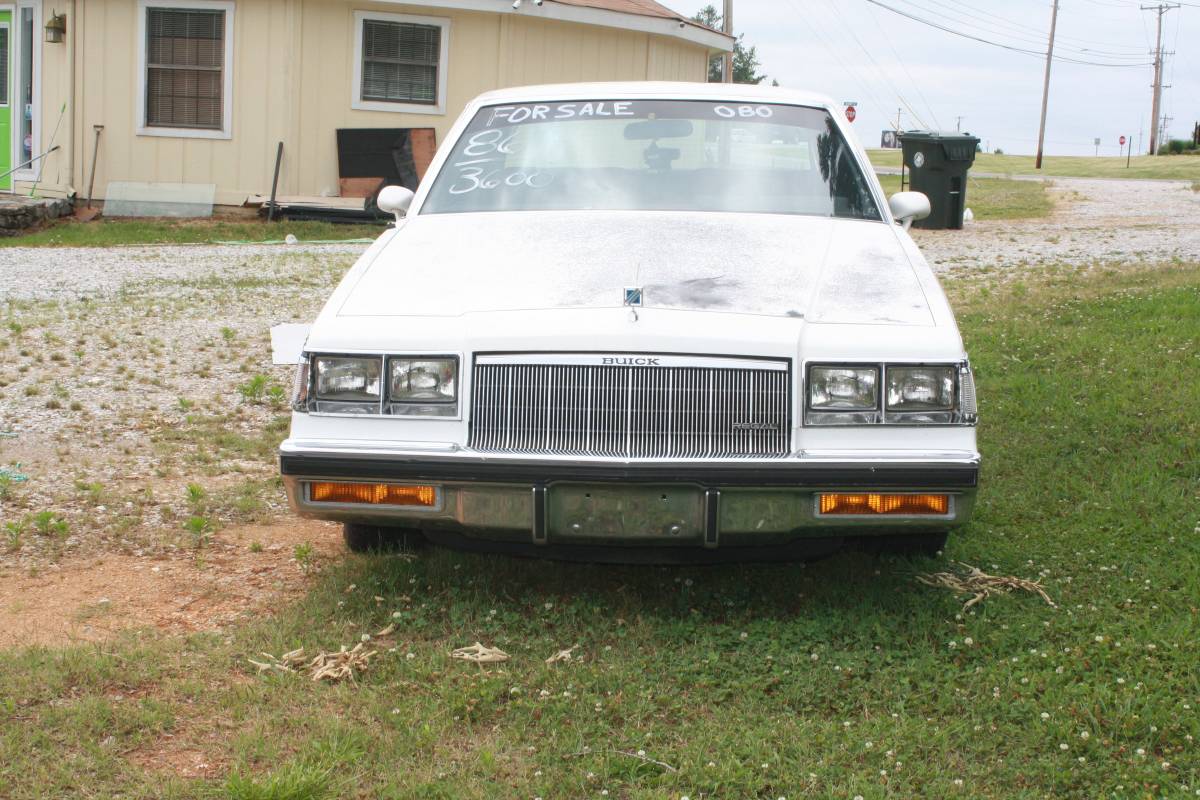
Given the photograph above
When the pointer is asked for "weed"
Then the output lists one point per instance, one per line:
(186, 405)
(228, 334)
(256, 546)
(254, 389)
(195, 495)
(93, 491)
(303, 553)
(276, 396)
(48, 523)
(200, 528)
(13, 533)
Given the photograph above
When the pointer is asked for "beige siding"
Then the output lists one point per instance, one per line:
(293, 72)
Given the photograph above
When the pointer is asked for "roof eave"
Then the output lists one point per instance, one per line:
(714, 41)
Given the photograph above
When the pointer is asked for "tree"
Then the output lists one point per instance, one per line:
(745, 59)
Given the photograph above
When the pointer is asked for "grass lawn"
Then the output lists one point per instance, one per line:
(110, 232)
(841, 678)
(1180, 168)
(996, 198)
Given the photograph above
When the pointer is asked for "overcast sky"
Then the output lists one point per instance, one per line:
(853, 50)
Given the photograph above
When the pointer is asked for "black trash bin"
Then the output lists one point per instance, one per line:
(937, 165)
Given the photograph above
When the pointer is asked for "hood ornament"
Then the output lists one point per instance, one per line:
(633, 299)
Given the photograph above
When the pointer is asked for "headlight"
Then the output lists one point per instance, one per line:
(836, 388)
(426, 387)
(920, 388)
(842, 395)
(346, 385)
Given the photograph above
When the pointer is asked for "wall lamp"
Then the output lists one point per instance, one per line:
(56, 28)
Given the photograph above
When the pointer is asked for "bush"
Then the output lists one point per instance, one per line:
(1177, 147)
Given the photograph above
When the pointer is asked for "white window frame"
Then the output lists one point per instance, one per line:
(356, 100)
(140, 126)
(17, 109)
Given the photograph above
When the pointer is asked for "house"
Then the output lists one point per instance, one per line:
(202, 91)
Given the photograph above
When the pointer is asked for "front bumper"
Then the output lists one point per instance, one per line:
(558, 501)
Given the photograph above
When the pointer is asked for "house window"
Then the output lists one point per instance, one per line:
(400, 63)
(3, 64)
(186, 71)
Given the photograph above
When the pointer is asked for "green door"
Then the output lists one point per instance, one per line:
(5, 99)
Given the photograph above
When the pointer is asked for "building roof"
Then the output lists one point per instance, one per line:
(647, 16)
(642, 8)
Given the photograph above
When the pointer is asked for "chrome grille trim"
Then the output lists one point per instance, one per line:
(575, 408)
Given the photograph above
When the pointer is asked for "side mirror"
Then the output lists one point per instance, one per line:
(397, 199)
(906, 207)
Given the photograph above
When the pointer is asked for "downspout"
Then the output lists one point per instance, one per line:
(74, 36)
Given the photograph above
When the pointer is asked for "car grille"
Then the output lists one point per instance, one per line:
(674, 411)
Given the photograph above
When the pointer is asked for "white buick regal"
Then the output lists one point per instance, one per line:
(640, 321)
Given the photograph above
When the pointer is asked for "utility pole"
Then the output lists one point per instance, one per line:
(1155, 104)
(1046, 85)
(958, 124)
(1166, 126)
(898, 112)
(727, 26)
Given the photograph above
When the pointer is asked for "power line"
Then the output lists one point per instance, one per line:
(1026, 33)
(846, 67)
(1024, 50)
(915, 84)
(882, 72)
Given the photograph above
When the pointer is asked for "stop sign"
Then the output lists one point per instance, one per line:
(851, 113)
(1122, 140)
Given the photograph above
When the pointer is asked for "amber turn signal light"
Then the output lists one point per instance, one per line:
(382, 494)
(934, 504)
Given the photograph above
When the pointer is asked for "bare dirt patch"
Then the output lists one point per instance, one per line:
(90, 599)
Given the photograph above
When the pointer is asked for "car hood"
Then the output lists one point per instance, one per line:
(815, 268)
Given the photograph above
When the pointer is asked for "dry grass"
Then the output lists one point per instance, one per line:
(980, 585)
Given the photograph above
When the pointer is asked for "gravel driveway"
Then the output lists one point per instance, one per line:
(44, 273)
(1095, 221)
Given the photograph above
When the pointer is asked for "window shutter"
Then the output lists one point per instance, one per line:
(400, 61)
(185, 63)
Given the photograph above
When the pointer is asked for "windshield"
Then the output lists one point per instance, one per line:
(668, 155)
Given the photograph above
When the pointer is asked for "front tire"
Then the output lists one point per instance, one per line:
(378, 539)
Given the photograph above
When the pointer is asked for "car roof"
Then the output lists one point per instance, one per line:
(730, 92)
